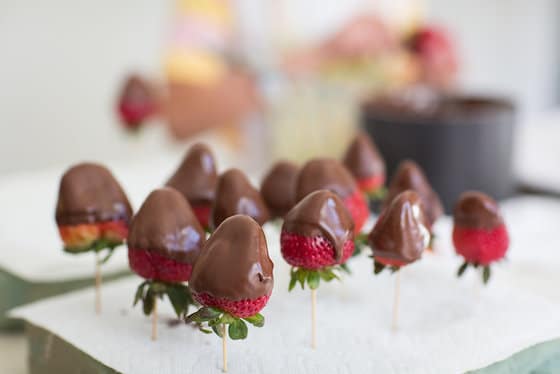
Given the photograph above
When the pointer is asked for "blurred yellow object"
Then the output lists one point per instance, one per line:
(217, 12)
(194, 66)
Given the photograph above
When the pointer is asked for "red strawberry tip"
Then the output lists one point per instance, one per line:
(212, 319)
(178, 294)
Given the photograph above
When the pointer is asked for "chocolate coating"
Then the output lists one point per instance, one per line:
(277, 188)
(477, 210)
(196, 177)
(401, 233)
(166, 224)
(136, 90)
(234, 263)
(89, 193)
(324, 174)
(236, 195)
(409, 176)
(321, 213)
(362, 158)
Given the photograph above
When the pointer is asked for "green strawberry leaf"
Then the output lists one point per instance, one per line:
(204, 314)
(206, 331)
(180, 299)
(462, 269)
(378, 267)
(139, 293)
(344, 267)
(237, 330)
(313, 279)
(218, 330)
(227, 319)
(378, 194)
(149, 302)
(486, 273)
(256, 320)
(293, 282)
(301, 277)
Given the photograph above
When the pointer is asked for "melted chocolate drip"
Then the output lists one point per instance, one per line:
(363, 159)
(409, 176)
(196, 177)
(89, 193)
(322, 213)
(278, 186)
(236, 195)
(324, 174)
(477, 210)
(401, 233)
(234, 263)
(166, 224)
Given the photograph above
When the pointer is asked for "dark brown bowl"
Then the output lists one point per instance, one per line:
(462, 142)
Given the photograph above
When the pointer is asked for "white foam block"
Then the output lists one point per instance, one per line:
(447, 325)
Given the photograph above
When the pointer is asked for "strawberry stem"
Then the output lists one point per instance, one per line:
(313, 277)
(178, 294)
(378, 194)
(217, 320)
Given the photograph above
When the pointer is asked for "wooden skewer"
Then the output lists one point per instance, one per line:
(313, 319)
(97, 284)
(154, 320)
(394, 325)
(224, 348)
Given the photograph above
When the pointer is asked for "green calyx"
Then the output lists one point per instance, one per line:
(486, 271)
(216, 320)
(177, 293)
(378, 194)
(378, 267)
(360, 244)
(313, 277)
(97, 246)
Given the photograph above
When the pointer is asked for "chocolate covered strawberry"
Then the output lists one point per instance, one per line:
(196, 179)
(409, 176)
(479, 232)
(317, 236)
(277, 188)
(137, 102)
(236, 195)
(92, 212)
(366, 165)
(401, 233)
(164, 242)
(232, 278)
(330, 174)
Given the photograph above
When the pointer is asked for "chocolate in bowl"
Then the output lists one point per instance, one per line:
(463, 142)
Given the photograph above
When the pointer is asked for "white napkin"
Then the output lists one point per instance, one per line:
(447, 325)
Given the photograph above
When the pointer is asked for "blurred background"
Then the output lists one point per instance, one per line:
(251, 74)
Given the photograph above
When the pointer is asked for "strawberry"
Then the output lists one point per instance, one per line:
(366, 165)
(136, 103)
(317, 237)
(196, 178)
(401, 233)
(312, 252)
(232, 278)
(436, 53)
(357, 206)
(154, 266)
(92, 211)
(202, 213)
(479, 232)
(164, 241)
(330, 174)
